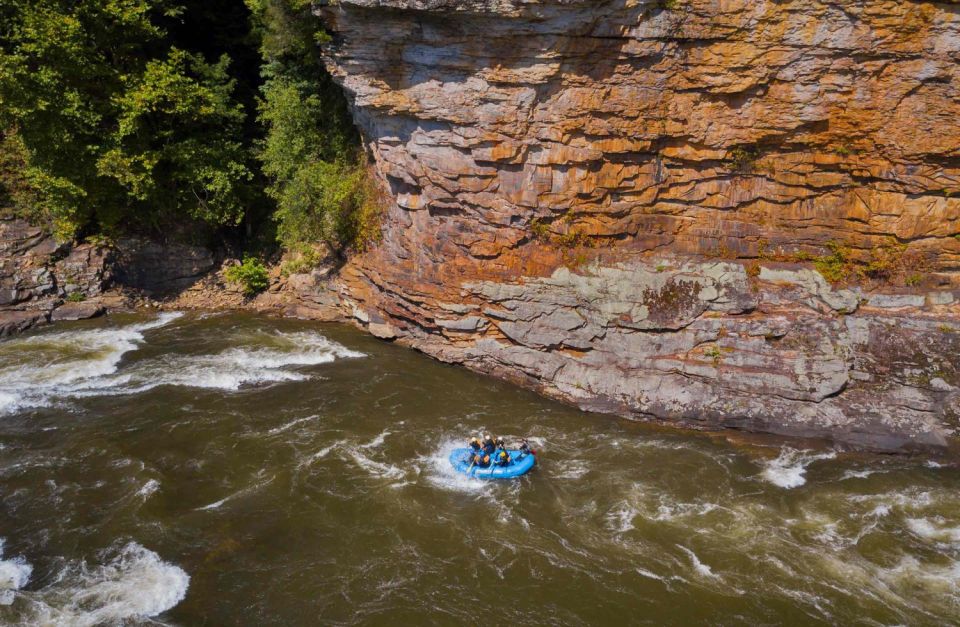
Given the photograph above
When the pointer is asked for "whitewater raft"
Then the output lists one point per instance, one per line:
(520, 464)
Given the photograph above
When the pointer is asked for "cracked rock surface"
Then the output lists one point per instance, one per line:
(38, 275)
(586, 195)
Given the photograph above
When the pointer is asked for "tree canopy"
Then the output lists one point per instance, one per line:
(152, 115)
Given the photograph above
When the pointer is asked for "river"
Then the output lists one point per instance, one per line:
(189, 469)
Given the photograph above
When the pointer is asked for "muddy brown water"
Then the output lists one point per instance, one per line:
(240, 470)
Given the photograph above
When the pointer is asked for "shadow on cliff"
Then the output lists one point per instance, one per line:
(547, 46)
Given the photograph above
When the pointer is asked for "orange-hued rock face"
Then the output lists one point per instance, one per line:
(519, 137)
(708, 126)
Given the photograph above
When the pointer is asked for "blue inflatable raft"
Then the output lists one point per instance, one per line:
(520, 464)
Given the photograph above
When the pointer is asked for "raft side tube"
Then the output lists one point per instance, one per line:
(520, 464)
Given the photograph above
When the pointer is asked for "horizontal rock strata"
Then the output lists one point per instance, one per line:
(578, 183)
(42, 279)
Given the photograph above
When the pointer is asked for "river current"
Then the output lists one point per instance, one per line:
(188, 469)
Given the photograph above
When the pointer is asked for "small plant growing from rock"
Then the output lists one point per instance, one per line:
(539, 230)
(670, 5)
(573, 239)
(76, 297)
(303, 259)
(834, 267)
(914, 279)
(842, 149)
(744, 158)
(713, 352)
(661, 267)
(251, 275)
(722, 251)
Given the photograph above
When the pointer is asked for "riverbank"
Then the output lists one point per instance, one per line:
(766, 347)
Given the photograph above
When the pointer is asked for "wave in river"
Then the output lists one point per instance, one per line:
(132, 584)
(14, 574)
(40, 367)
(72, 364)
(235, 367)
(789, 469)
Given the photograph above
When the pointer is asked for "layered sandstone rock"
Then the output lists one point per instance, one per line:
(38, 275)
(595, 198)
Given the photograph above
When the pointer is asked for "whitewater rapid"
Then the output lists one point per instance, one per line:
(129, 583)
(237, 469)
(52, 368)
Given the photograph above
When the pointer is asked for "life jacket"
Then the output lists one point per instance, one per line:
(489, 447)
(503, 458)
(475, 445)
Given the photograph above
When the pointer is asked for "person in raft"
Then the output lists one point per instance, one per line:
(489, 446)
(494, 450)
(482, 451)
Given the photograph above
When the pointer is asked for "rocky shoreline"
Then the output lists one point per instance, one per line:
(769, 348)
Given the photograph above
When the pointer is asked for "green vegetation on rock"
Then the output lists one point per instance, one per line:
(251, 275)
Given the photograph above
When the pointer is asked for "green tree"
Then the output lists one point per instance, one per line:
(311, 153)
(118, 127)
(176, 146)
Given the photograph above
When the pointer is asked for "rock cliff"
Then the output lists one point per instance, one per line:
(633, 205)
(42, 280)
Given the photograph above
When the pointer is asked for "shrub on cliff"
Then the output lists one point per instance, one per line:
(251, 275)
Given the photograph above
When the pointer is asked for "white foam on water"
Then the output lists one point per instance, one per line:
(671, 510)
(134, 584)
(84, 363)
(937, 529)
(373, 467)
(14, 574)
(907, 500)
(9, 403)
(937, 580)
(573, 469)
(291, 424)
(376, 442)
(252, 488)
(701, 568)
(441, 474)
(148, 489)
(319, 454)
(646, 573)
(807, 599)
(789, 469)
(620, 518)
(236, 367)
(920, 586)
(58, 363)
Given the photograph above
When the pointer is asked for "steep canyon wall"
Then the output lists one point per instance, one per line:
(631, 204)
